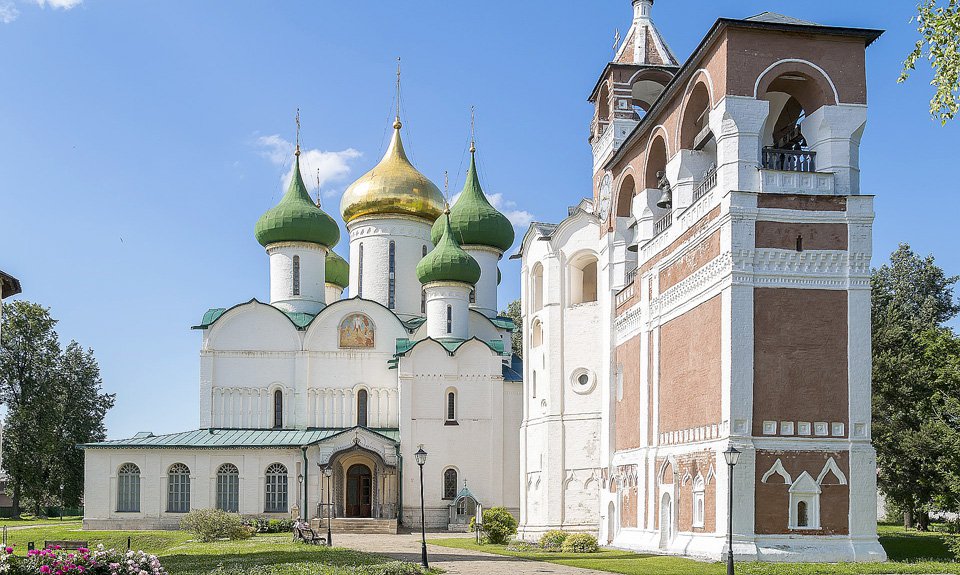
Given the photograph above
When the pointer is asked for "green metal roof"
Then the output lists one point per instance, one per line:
(473, 220)
(299, 319)
(234, 438)
(296, 218)
(504, 323)
(451, 345)
(338, 270)
(448, 262)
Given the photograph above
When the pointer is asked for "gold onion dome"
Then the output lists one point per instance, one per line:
(392, 187)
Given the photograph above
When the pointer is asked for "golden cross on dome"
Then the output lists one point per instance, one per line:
(397, 125)
(473, 129)
(297, 153)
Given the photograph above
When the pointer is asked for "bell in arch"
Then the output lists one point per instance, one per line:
(666, 194)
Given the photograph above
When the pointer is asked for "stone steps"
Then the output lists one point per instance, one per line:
(356, 525)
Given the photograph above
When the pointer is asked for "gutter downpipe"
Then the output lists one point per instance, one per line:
(399, 485)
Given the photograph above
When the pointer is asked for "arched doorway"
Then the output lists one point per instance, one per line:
(359, 491)
(666, 520)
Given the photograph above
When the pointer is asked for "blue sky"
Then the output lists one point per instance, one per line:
(140, 141)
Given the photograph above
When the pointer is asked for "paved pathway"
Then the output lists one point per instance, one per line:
(406, 547)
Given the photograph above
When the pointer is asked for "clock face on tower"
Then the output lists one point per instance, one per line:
(604, 197)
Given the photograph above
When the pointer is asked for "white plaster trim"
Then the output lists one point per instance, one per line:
(831, 466)
(778, 469)
(756, 86)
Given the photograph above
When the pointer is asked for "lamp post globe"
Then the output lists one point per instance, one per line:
(421, 457)
(732, 457)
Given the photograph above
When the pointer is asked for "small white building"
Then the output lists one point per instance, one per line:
(311, 382)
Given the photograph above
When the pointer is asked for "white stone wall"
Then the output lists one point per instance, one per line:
(477, 446)
(409, 235)
(560, 433)
(313, 262)
(100, 487)
(486, 294)
(440, 296)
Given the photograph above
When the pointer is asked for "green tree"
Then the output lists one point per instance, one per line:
(939, 42)
(53, 403)
(516, 340)
(912, 299)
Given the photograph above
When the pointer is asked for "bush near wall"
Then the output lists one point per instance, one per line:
(214, 524)
(498, 525)
(268, 525)
(580, 543)
(553, 540)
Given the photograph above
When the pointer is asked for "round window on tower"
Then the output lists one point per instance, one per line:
(583, 380)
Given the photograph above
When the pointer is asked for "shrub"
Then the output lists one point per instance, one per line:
(580, 543)
(498, 525)
(212, 524)
(520, 546)
(553, 540)
(80, 562)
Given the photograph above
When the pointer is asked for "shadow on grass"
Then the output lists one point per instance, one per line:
(909, 547)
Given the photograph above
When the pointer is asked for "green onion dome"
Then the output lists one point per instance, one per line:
(448, 262)
(296, 218)
(473, 220)
(338, 270)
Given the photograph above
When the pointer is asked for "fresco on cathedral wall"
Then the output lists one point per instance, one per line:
(356, 330)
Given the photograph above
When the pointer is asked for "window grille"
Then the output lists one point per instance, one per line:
(449, 319)
(128, 488)
(451, 406)
(450, 484)
(178, 488)
(275, 496)
(392, 295)
(228, 488)
(362, 407)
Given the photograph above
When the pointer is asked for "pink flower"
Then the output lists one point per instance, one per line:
(45, 569)
(9, 550)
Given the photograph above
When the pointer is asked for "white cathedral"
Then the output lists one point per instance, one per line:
(314, 404)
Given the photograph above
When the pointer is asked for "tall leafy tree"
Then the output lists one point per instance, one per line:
(939, 42)
(516, 340)
(53, 401)
(912, 299)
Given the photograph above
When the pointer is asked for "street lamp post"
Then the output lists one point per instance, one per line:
(328, 473)
(732, 455)
(421, 456)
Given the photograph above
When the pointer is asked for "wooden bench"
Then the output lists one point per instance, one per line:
(308, 535)
(69, 545)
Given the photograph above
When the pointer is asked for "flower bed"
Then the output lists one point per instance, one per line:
(100, 561)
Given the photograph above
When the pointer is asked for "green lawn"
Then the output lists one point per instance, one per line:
(909, 552)
(270, 554)
(30, 521)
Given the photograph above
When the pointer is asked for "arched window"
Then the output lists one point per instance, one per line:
(392, 278)
(423, 300)
(360, 270)
(450, 484)
(128, 488)
(473, 295)
(625, 197)
(424, 252)
(803, 520)
(275, 489)
(278, 409)
(296, 275)
(228, 488)
(178, 488)
(583, 280)
(536, 286)
(449, 319)
(362, 407)
(451, 407)
(533, 385)
(536, 336)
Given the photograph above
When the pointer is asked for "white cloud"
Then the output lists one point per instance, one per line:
(519, 218)
(59, 4)
(332, 166)
(8, 12)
